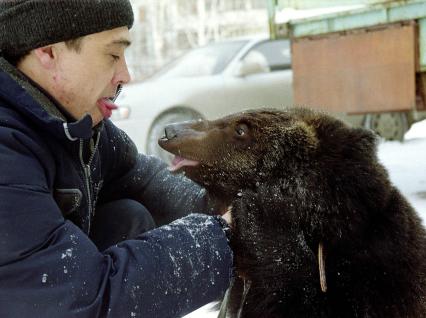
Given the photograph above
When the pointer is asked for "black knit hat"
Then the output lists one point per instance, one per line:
(30, 24)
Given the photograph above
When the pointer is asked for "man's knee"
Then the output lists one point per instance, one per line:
(139, 218)
(120, 220)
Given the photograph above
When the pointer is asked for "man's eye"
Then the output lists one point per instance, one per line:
(115, 57)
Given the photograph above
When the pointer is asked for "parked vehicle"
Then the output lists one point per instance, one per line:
(207, 82)
(366, 61)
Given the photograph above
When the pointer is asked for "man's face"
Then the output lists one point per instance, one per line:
(83, 81)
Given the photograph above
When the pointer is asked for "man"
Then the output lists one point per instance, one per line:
(69, 176)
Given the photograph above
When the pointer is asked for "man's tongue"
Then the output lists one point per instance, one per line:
(106, 107)
(179, 162)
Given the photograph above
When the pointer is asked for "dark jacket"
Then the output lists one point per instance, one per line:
(52, 176)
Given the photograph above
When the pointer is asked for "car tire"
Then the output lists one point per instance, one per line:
(157, 130)
(390, 126)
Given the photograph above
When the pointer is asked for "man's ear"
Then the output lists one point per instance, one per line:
(46, 55)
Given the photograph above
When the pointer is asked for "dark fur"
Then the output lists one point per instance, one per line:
(298, 178)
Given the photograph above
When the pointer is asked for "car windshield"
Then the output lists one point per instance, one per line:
(208, 60)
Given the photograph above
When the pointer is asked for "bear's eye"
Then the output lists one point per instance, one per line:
(241, 130)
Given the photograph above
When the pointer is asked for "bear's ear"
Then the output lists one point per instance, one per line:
(339, 140)
(363, 141)
(293, 141)
(299, 137)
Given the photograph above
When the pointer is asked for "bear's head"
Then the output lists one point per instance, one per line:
(238, 151)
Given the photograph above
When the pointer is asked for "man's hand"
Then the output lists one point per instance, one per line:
(227, 216)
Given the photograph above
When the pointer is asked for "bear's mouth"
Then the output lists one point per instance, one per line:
(180, 162)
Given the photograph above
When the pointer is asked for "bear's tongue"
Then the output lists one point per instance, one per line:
(179, 162)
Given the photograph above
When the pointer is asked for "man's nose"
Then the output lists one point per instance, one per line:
(122, 75)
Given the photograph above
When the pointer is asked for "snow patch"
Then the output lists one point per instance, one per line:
(44, 278)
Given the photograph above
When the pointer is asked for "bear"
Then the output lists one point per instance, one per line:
(318, 229)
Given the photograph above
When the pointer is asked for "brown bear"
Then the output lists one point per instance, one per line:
(318, 228)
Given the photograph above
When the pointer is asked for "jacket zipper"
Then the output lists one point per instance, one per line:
(87, 176)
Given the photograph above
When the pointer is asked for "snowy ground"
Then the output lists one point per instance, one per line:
(406, 163)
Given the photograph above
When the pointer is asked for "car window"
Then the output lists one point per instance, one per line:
(208, 60)
(271, 55)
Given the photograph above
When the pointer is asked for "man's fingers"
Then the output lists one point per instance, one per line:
(228, 217)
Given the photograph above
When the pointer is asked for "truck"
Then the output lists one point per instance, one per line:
(364, 61)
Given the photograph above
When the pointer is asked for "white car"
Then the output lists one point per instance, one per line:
(207, 82)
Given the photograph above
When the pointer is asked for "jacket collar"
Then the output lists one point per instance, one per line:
(28, 98)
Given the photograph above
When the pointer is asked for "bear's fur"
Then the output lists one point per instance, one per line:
(298, 180)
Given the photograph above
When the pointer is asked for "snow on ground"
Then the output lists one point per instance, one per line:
(204, 312)
(406, 164)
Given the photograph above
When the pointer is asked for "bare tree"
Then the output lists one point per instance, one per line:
(173, 26)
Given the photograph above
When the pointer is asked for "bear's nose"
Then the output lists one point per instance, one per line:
(170, 132)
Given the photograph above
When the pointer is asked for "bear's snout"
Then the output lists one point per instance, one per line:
(174, 130)
(180, 136)
(170, 131)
